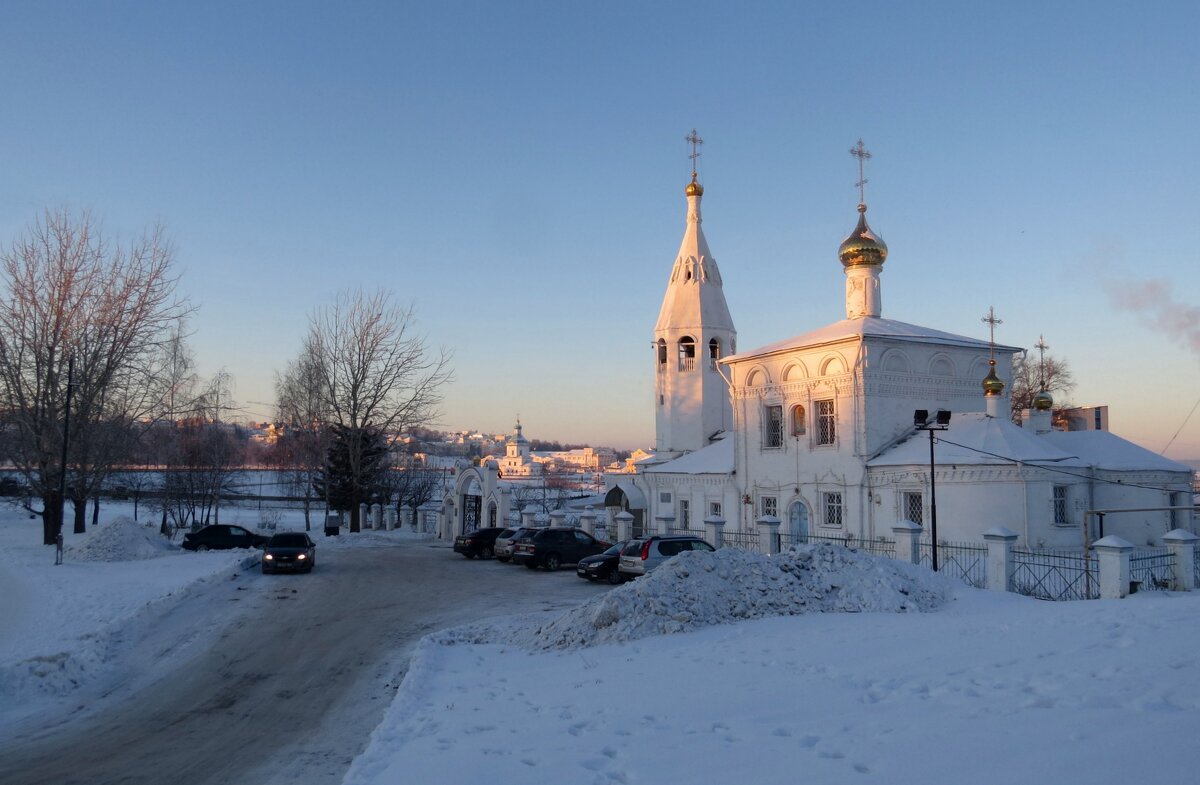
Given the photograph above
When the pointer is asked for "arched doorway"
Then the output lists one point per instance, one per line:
(798, 521)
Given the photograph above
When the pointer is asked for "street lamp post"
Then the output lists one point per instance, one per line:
(940, 422)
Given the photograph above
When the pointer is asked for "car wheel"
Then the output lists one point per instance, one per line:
(486, 552)
(468, 555)
(201, 548)
(614, 577)
(502, 558)
(531, 565)
(553, 561)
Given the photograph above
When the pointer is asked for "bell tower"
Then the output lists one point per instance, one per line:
(693, 332)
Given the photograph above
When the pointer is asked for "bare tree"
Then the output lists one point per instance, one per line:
(1031, 375)
(301, 449)
(378, 375)
(73, 296)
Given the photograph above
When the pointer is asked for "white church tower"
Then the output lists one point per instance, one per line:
(694, 330)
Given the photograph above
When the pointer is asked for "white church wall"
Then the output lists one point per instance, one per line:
(1140, 528)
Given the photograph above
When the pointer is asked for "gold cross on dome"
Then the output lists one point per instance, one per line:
(991, 321)
(861, 152)
(695, 141)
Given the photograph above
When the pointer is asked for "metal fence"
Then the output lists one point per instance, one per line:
(746, 541)
(1196, 566)
(959, 560)
(1053, 575)
(1150, 569)
(685, 530)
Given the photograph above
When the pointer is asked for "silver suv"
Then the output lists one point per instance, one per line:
(507, 539)
(642, 556)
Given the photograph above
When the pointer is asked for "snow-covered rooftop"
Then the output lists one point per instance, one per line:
(1106, 450)
(867, 326)
(716, 458)
(974, 438)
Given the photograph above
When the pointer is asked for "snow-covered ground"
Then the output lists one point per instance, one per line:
(819, 666)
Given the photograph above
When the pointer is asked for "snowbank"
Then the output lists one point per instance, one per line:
(696, 590)
(122, 540)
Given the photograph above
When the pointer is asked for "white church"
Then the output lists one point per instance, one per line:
(819, 429)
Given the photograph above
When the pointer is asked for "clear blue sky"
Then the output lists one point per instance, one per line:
(516, 170)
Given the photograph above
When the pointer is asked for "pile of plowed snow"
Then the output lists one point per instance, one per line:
(697, 589)
(122, 540)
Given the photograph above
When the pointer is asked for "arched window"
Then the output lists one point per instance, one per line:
(799, 421)
(662, 352)
(714, 352)
(687, 353)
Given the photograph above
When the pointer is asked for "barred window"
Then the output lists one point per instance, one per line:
(714, 509)
(826, 423)
(768, 506)
(833, 508)
(1060, 504)
(685, 513)
(772, 427)
(913, 508)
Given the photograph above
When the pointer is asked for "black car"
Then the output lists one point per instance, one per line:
(290, 552)
(220, 537)
(602, 566)
(481, 543)
(552, 548)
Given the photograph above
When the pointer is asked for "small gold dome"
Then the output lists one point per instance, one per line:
(694, 188)
(1043, 402)
(992, 384)
(863, 247)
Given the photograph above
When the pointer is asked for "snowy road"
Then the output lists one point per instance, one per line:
(288, 687)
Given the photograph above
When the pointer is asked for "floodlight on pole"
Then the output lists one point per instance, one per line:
(941, 422)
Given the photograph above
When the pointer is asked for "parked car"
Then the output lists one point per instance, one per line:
(602, 566)
(481, 543)
(552, 548)
(642, 556)
(220, 537)
(506, 540)
(289, 551)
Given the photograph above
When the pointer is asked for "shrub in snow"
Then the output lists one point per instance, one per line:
(697, 589)
(122, 540)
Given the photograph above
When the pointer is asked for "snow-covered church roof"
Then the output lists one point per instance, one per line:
(867, 326)
(974, 438)
(715, 458)
(1106, 450)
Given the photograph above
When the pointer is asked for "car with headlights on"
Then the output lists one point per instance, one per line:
(289, 552)
(602, 566)
(481, 543)
(552, 548)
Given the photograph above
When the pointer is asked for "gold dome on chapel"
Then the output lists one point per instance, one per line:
(694, 188)
(1043, 402)
(863, 247)
(992, 384)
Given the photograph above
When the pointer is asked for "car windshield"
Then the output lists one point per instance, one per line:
(506, 534)
(615, 549)
(289, 541)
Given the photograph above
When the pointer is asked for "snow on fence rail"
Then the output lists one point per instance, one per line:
(1055, 575)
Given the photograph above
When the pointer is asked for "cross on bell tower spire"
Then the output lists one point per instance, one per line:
(861, 152)
(695, 141)
(991, 321)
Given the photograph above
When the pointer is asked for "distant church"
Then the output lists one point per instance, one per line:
(818, 430)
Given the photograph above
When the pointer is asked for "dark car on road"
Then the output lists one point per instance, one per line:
(481, 543)
(602, 566)
(289, 552)
(552, 548)
(220, 537)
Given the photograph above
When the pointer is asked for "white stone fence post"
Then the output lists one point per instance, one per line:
(1181, 543)
(377, 516)
(663, 522)
(389, 519)
(1113, 554)
(768, 535)
(624, 525)
(908, 541)
(363, 523)
(558, 518)
(999, 566)
(587, 521)
(714, 527)
(527, 516)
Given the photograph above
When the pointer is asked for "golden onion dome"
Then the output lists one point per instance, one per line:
(863, 247)
(1043, 402)
(992, 384)
(694, 188)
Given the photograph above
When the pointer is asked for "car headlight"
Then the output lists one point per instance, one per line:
(268, 557)
(302, 556)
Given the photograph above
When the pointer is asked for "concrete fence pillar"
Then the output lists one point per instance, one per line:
(587, 521)
(624, 525)
(1113, 554)
(558, 519)
(527, 515)
(1182, 545)
(908, 541)
(376, 516)
(999, 557)
(389, 519)
(363, 523)
(663, 523)
(714, 527)
(768, 534)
